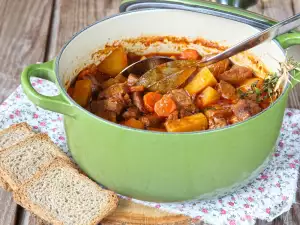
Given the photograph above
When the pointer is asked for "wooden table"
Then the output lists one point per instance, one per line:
(34, 31)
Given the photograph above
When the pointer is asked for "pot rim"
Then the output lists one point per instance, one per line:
(63, 90)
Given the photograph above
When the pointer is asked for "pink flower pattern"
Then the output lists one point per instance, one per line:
(269, 194)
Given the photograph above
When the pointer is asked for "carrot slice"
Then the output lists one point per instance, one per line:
(189, 54)
(136, 88)
(165, 106)
(150, 99)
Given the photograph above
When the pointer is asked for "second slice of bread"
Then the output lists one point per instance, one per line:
(62, 196)
(20, 162)
(14, 134)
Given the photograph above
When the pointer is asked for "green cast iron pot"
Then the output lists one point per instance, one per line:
(154, 166)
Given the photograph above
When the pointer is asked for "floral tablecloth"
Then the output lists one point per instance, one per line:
(266, 197)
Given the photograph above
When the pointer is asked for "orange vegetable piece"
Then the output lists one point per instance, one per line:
(136, 88)
(203, 79)
(82, 92)
(189, 54)
(208, 97)
(194, 122)
(165, 106)
(114, 63)
(134, 123)
(150, 99)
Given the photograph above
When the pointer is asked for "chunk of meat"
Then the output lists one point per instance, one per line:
(226, 90)
(245, 108)
(218, 113)
(151, 120)
(138, 101)
(182, 100)
(173, 116)
(219, 67)
(131, 112)
(126, 98)
(216, 122)
(114, 104)
(184, 112)
(132, 79)
(236, 75)
(116, 89)
(97, 107)
(95, 84)
(233, 119)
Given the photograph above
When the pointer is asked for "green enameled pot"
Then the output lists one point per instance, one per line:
(158, 166)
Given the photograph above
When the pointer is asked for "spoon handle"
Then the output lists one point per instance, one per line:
(257, 39)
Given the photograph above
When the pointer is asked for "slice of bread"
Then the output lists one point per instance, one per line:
(62, 196)
(14, 134)
(10, 136)
(20, 162)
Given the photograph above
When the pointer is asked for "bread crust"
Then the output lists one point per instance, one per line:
(20, 126)
(9, 176)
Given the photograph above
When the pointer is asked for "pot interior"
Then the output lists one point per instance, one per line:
(130, 29)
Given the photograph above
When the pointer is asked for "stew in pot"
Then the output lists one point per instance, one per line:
(204, 98)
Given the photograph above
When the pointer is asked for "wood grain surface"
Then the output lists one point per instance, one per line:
(23, 38)
(35, 30)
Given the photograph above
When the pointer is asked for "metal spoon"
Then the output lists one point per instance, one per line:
(148, 67)
(140, 67)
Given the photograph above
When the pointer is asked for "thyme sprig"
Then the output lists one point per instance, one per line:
(273, 83)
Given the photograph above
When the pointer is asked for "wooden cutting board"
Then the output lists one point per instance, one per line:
(130, 213)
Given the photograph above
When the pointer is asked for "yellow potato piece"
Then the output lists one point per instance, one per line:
(82, 92)
(189, 123)
(209, 96)
(202, 80)
(114, 63)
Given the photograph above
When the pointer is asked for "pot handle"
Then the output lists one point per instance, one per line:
(58, 103)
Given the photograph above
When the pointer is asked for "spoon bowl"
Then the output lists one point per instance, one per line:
(142, 66)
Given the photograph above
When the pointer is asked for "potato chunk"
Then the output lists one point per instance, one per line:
(202, 80)
(82, 92)
(114, 63)
(195, 122)
(208, 97)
